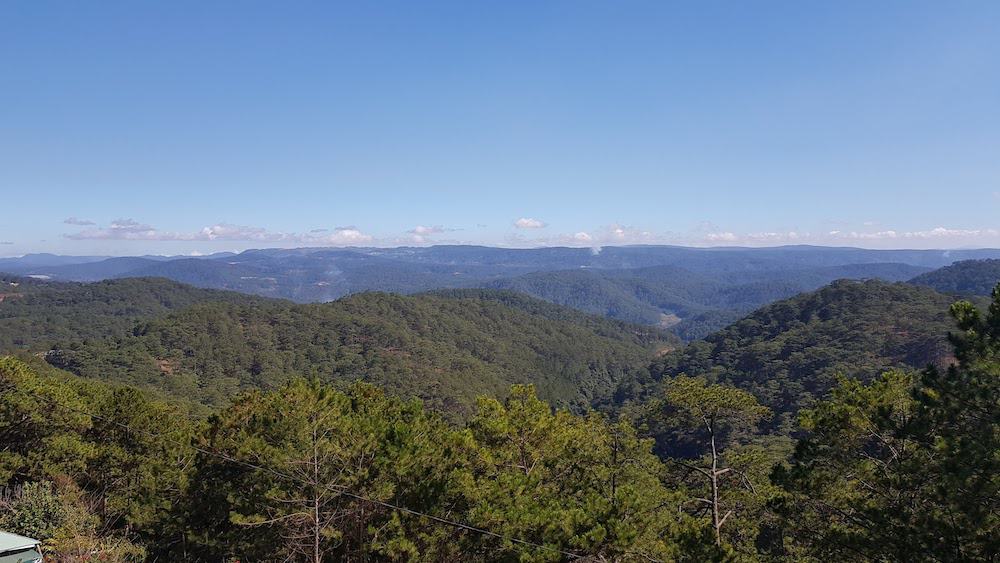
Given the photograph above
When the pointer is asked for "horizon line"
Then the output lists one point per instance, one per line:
(497, 247)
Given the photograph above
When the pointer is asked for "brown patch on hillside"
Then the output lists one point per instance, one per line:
(165, 366)
(664, 350)
(668, 320)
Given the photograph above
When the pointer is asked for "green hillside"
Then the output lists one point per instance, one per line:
(968, 277)
(35, 315)
(789, 353)
(444, 350)
(99, 467)
(692, 304)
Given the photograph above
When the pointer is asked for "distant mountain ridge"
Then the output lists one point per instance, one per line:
(693, 304)
(693, 291)
(449, 345)
(487, 262)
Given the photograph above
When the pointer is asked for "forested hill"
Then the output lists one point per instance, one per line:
(968, 277)
(789, 353)
(444, 350)
(35, 315)
(692, 304)
(600, 325)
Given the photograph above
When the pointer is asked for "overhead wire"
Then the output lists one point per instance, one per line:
(339, 491)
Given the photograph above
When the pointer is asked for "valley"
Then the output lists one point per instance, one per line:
(432, 388)
(705, 289)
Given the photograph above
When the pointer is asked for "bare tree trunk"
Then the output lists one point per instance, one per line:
(716, 521)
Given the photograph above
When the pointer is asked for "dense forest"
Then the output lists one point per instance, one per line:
(791, 353)
(689, 303)
(446, 348)
(967, 277)
(147, 420)
(690, 291)
(37, 315)
(902, 468)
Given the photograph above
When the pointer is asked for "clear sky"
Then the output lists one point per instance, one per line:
(183, 127)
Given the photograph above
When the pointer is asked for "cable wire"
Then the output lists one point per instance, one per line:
(344, 492)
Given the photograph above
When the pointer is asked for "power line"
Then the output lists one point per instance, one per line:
(344, 492)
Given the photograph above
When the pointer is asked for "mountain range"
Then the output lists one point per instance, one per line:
(691, 291)
(780, 340)
(135, 372)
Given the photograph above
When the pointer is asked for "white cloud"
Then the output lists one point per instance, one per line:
(341, 236)
(422, 230)
(773, 237)
(78, 222)
(529, 223)
(790, 236)
(880, 235)
(941, 232)
(621, 234)
(610, 235)
(422, 233)
(941, 236)
(225, 231)
(721, 237)
(935, 233)
(129, 229)
(120, 229)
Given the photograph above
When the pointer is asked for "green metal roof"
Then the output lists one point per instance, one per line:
(31, 555)
(14, 542)
(18, 549)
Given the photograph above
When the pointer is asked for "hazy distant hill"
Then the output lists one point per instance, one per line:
(694, 291)
(43, 260)
(314, 274)
(790, 352)
(130, 266)
(693, 304)
(443, 349)
(968, 277)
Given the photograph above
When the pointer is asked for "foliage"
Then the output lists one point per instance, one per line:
(968, 277)
(301, 461)
(33, 510)
(789, 354)
(36, 315)
(715, 415)
(574, 484)
(113, 489)
(904, 472)
(692, 304)
(274, 489)
(309, 472)
(66, 523)
(445, 351)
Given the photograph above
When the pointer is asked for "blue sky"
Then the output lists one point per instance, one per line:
(182, 127)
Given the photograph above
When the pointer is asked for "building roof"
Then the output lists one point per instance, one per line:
(14, 542)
